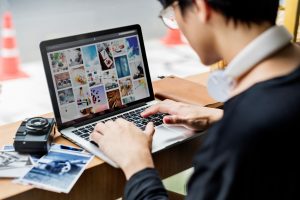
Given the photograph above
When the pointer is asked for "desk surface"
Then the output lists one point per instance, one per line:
(101, 181)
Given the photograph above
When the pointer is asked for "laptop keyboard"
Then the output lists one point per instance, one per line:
(132, 116)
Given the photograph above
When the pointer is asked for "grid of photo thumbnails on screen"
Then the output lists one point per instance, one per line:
(96, 77)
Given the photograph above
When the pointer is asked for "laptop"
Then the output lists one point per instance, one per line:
(101, 76)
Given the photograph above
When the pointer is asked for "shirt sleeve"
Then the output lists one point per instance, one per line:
(145, 185)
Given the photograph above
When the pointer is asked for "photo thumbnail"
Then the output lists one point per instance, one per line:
(99, 99)
(68, 112)
(66, 96)
(114, 99)
(140, 89)
(62, 80)
(126, 86)
(105, 56)
(122, 66)
(90, 57)
(94, 76)
(83, 97)
(74, 57)
(137, 70)
(129, 99)
(110, 79)
(58, 62)
(118, 47)
(86, 111)
(78, 76)
(133, 50)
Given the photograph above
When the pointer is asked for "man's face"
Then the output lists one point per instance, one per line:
(198, 31)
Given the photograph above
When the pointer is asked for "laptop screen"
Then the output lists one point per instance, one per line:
(97, 75)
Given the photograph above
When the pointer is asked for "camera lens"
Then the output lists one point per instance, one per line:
(37, 124)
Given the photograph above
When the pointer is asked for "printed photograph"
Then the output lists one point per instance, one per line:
(129, 99)
(110, 79)
(58, 62)
(126, 86)
(66, 96)
(90, 57)
(94, 76)
(114, 99)
(83, 97)
(140, 89)
(137, 70)
(105, 56)
(68, 112)
(99, 99)
(118, 47)
(58, 170)
(122, 66)
(133, 50)
(74, 57)
(13, 164)
(78, 76)
(62, 80)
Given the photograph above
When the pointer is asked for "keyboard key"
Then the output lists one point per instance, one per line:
(79, 133)
(85, 131)
(85, 135)
(75, 131)
(157, 123)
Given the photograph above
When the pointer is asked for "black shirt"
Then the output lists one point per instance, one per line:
(251, 153)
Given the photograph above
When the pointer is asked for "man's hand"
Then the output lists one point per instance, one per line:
(125, 144)
(193, 117)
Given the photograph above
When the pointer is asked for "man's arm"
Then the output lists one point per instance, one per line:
(145, 185)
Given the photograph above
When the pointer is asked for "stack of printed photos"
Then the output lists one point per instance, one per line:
(56, 171)
(13, 164)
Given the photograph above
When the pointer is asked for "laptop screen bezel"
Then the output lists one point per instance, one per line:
(97, 116)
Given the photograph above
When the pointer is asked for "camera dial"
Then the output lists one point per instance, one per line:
(37, 125)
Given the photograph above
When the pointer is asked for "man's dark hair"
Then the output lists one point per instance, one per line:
(247, 11)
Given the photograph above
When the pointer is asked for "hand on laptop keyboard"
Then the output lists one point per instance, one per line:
(193, 117)
(125, 144)
(132, 116)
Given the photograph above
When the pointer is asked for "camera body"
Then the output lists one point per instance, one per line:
(34, 135)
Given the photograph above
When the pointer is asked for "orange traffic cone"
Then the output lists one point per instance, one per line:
(173, 37)
(9, 60)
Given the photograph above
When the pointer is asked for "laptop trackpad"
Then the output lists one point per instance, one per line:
(165, 136)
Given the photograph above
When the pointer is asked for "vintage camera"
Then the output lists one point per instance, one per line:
(34, 135)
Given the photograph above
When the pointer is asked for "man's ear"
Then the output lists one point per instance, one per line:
(203, 10)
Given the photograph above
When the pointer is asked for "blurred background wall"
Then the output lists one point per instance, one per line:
(37, 20)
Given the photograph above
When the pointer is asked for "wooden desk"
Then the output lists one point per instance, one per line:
(101, 181)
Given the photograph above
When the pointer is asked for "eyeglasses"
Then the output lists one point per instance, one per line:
(167, 15)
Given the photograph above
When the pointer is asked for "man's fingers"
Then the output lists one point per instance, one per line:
(149, 130)
(163, 107)
(122, 122)
(174, 119)
(100, 128)
(151, 111)
(109, 124)
(96, 136)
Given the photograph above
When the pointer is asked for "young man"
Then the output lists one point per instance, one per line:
(251, 148)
